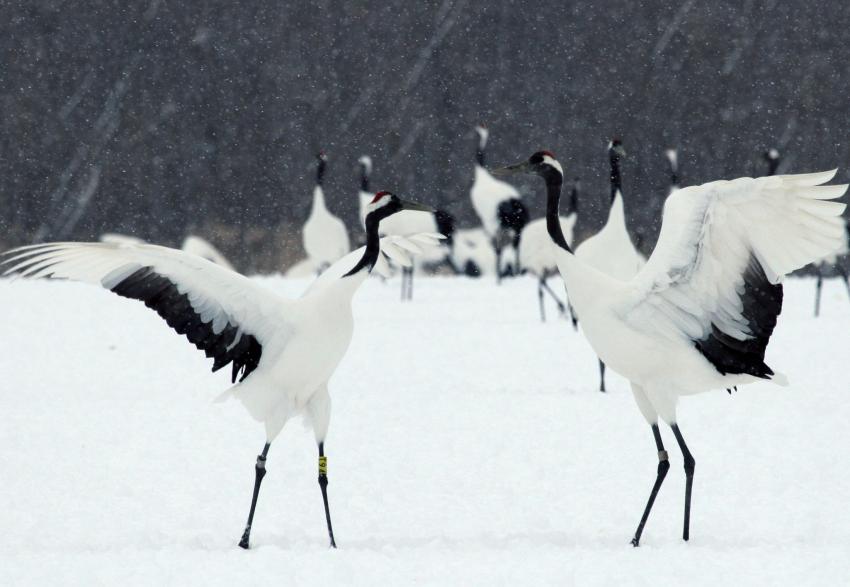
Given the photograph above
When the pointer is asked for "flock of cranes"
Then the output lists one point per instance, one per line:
(697, 315)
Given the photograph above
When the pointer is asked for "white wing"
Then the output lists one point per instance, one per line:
(724, 246)
(221, 312)
(486, 194)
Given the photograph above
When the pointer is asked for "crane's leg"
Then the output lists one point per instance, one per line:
(410, 283)
(260, 470)
(540, 298)
(498, 250)
(846, 279)
(555, 297)
(818, 287)
(663, 467)
(323, 483)
(573, 316)
(690, 465)
(601, 376)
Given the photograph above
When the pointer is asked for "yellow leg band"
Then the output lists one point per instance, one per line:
(323, 465)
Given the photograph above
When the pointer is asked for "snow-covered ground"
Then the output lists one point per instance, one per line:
(467, 446)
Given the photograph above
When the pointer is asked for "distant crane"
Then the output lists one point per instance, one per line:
(673, 165)
(537, 254)
(500, 208)
(611, 250)
(201, 247)
(700, 313)
(325, 237)
(472, 254)
(412, 222)
(282, 351)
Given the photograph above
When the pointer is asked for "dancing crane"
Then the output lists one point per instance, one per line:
(282, 351)
(700, 313)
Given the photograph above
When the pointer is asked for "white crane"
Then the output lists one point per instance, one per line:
(325, 237)
(700, 313)
(472, 255)
(500, 208)
(673, 164)
(537, 254)
(283, 351)
(408, 223)
(611, 250)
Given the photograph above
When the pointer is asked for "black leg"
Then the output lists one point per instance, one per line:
(498, 250)
(601, 376)
(846, 278)
(540, 299)
(690, 465)
(410, 284)
(573, 316)
(663, 467)
(555, 297)
(260, 470)
(818, 287)
(323, 483)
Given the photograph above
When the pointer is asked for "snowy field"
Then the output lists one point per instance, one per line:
(467, 446)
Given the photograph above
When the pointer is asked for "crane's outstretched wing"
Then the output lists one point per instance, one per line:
(396, 248)
(221, 312)
(724, 246)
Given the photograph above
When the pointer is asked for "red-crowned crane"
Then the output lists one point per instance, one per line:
(611, 250)
(325, 237)
(537, 255)
(408, 223)
(500, 209)
(700, 313)
(282, 351)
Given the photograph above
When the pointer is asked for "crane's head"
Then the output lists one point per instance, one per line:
(386, 204)
(771, 154)
(365, 163)
(615, 146)
(542, 163)
(322, 156)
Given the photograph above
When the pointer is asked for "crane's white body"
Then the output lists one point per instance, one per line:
(196, 245)
(486, 194)
(537, 253)
(473, 244)
(645, 328)
(611, 250)
(302, 339)
(325, 236)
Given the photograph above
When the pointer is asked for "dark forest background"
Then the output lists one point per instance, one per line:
(159, 118)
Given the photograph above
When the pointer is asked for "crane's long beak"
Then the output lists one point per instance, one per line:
(406, 205)
(523, 167)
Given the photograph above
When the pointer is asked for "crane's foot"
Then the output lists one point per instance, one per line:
(635, 541)
(245, 537)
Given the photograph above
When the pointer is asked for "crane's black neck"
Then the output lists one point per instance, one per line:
(479, 149)
(364, 178)
(554, 180)
(675, 180)
(616, 180)
(373, 246)
(772, 165)
(574, 197)
(320, 171)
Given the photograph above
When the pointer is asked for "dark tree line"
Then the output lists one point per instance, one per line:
(159, 118)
